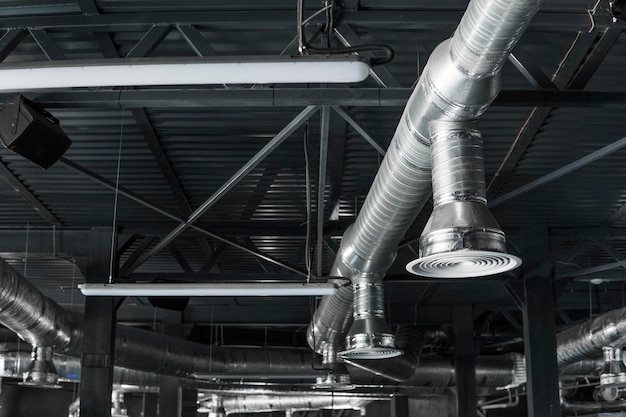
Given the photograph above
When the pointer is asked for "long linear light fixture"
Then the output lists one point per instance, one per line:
(257, 289)
(183, 71)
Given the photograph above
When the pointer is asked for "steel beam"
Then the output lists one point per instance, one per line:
(234, 180)
(360, 129)
(147, 130)
(464, 361)
(99, 333)
(529, 69)
(321, 186)
(593, 270)
(10, 40)
(150, 40)
(539, 326)
(27, 195)
(573, 59)
(211, 264)
(558, 173)
(337, 150)
(277, 20)
(195, 40)
(146, 203)
(298, 97)
(47, 45)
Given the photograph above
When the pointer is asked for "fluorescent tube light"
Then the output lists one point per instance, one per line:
(207, 289)
(190, 71)
(252, 377)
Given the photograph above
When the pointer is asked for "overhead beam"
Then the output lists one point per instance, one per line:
(299, 97)
(274, 20)
(529, 69)
(10, 40)
(321, 186)
(234, 180)
(147, 130)
(337, 150)
(148, 204)
(27, 195)
(150, 40)
(556, 174)
(351, 120)
(195, 40)
(573, 69)
(47, 45)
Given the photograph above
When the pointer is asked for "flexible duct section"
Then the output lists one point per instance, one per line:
(458, 83)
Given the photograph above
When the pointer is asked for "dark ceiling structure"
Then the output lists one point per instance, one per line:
(257, 183)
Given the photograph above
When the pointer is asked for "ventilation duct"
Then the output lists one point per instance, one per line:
(41, 372)
(459, 82)
(587, 339)
(41, 322)
(337, 377)
(370, 336)
(400, 368)
(269, 403)
(461, 239)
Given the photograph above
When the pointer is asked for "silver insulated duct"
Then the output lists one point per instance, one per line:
(461, 238)
(458, 83)
(270, 403)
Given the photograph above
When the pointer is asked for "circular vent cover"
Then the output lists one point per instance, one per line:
(371, 353)
(463, 264)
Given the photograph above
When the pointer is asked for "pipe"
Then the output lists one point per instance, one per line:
(41, 322)
(587, 339)
(588, 407)
(268, 403)
(14, 364)
(458, 83)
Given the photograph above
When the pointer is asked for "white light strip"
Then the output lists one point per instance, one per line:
(207, 289)
(285, 376)
(187, 71)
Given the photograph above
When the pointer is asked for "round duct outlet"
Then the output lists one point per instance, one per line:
(371, 353)
(463, 264)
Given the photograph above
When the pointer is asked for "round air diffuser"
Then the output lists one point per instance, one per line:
(371, 353)
(333, 382)
(463, 264)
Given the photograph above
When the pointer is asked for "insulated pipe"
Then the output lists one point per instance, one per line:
(458, 83)
(41, 322)
(269, 403)
(587, 339)
(579, 408)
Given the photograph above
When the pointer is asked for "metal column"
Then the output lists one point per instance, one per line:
(464, 361)
(399, 405)
(540, 327)
(99, 332)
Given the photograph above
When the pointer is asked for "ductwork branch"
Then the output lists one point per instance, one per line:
(42, 322)
(458, 83)
(587, 339)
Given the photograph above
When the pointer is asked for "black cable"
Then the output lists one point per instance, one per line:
(304, 47)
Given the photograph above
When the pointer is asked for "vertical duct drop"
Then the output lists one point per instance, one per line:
(41, 372)
(370, 336)
(461, 238)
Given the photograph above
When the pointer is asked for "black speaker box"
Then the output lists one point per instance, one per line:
(32, 132)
